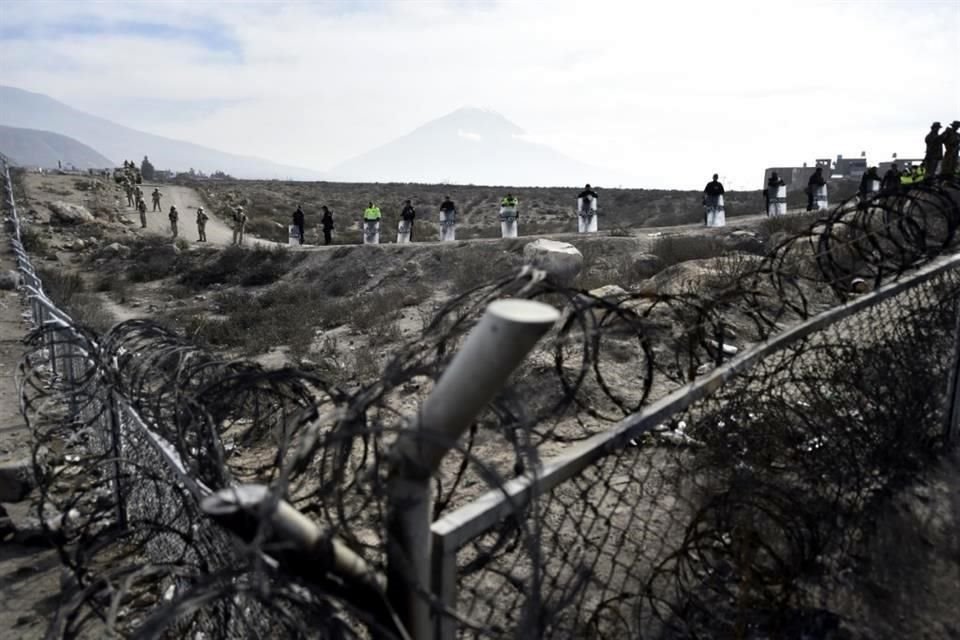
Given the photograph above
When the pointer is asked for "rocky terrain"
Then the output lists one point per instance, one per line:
(341, 309)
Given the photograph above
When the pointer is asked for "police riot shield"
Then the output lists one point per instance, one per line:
(587, 214)
(448, 226)
(820, 198)
(371, 232)
(293, 235)
(714, 213)
(777, 200)
(403, 232)
(508, 221)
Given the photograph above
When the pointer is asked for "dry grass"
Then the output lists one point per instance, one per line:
(676, 249)
(68, 291)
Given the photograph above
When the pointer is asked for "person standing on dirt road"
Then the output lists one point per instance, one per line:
(239, 225)
(201, 225)
(174, 216)
(711, 192)
(773, 185)
(298, 222)
(327, 222)
(588, 192)
(934, 152)
(447, 206)
(408, 214)
(891, 179)
(137, 193)
(815, 182)
(156, 199)
(142, 208)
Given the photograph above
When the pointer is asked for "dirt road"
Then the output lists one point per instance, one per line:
(186, 200)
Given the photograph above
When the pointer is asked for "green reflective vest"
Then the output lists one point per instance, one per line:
(371, 213)
(509, 202)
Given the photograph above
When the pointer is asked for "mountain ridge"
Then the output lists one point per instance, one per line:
(29, 110)
(471, 145)
(46, 149)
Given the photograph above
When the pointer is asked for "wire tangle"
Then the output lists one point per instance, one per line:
(721, 520)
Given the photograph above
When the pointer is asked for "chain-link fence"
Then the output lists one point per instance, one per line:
(638, 476)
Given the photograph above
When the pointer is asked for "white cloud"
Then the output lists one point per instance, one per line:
(674, 91)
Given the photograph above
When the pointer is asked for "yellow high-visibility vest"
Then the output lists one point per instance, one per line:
(372, 213)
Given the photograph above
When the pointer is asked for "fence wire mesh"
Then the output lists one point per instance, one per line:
(722, 517)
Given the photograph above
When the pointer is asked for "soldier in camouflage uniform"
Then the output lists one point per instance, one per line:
(239, 224)
(128, 189)
(174, 216)
(142, 208)
(201, 225)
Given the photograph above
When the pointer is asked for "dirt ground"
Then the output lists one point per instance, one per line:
(29, 573)
(918, 534)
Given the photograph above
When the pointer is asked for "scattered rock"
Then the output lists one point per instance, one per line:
(745, 241)
(728, 349)
(608, 291)
(16, 479)
(67, 213)
(561, 260)
(78, 245)
(9, 280)
(645, 265)
(117, 249)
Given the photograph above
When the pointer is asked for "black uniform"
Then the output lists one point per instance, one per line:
(713, 189)
(327, 222)
(298, 222)
(409, 214)
(891, 180)
(870, 175)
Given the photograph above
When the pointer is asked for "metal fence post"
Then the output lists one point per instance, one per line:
(501, 340)
(444, 586)
(116, 450)
(951, 423)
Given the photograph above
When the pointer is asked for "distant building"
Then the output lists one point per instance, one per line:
(796, 177)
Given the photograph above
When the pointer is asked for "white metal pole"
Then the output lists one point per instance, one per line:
(290, 524)
(495, 347)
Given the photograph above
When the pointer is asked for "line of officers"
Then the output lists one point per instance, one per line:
(408, 214)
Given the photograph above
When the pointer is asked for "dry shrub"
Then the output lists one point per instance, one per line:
(676, 249)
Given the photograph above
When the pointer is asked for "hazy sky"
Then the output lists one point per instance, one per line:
(667, 91)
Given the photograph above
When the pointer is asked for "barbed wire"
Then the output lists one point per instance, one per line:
(718, 523)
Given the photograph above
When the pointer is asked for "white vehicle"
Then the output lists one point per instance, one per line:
(448, 225)
(587, 207)
(403, 232)
(371, 232)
